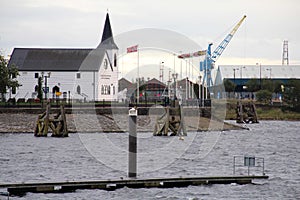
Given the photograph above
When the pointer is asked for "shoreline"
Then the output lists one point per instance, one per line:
(105, 123)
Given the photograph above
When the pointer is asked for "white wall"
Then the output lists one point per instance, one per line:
(108, 78)
(90, 82)
(66, 81)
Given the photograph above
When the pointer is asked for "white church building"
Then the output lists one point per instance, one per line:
(83, 74)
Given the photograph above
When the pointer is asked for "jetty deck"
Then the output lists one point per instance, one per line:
(71, 186)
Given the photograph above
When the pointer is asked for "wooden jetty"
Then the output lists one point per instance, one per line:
(246, 112)
(57, 123)
(72, 186)
(172, 120)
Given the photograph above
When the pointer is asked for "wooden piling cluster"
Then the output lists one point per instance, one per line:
(172, 120)
(56, 123)
(246, 112)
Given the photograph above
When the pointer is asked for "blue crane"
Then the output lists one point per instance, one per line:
(210, 58)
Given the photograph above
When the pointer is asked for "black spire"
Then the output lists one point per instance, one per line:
(107, 40)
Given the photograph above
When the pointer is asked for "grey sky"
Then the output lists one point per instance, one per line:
(79, 23)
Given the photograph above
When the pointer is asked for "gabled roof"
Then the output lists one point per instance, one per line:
(53, 59)
(36, 59)
(155, 81)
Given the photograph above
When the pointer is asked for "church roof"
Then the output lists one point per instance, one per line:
(54, 59)
(36, 59)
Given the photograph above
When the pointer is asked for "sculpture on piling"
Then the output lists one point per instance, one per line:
(172, 120)
(56, 123)
(246, 112)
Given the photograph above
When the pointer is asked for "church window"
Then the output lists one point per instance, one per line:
(102, 89)
(108, 89)
(105, 89)
(105, 63)
(115, 60)
(78, 89)
(78, 75)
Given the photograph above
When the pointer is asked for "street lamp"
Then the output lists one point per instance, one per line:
(199, 92)
(234, 69)
(46, 89)
(174, 75)
(242, 82)
(161, 71)
(259, 75)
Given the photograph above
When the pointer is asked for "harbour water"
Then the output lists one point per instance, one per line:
(25, 158)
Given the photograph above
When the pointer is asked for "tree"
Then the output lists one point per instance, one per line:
(40, 89)
(252, 85)
(291, 94)
(229, 85)
(264, 96)
(267, 84)
(278, 86)
(8, 77)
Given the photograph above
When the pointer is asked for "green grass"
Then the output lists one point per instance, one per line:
(264, 112)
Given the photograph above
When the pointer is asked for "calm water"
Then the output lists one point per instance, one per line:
(25, 158)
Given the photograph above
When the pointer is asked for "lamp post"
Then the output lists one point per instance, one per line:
(46, 90)
(174, 75)
(186, 81)
(242, 81)
(199, 92)
(259, 75)
(235, 69)
(169, 84)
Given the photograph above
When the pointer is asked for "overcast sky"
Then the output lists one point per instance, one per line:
(79, 24)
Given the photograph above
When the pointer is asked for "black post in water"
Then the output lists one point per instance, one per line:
(132, 156)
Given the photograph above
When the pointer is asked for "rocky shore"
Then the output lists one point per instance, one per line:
(89, 122)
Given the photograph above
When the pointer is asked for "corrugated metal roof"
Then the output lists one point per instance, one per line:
(257, 71)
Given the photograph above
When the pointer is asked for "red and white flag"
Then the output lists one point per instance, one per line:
(132, 49)
(195, 54)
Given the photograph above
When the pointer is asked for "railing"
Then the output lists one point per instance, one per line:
(242, 163)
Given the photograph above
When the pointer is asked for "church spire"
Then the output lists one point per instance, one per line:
(107, 40)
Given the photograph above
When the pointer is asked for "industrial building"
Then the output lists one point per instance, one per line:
(241, 74)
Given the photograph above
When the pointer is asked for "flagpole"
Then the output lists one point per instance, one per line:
(138, 78)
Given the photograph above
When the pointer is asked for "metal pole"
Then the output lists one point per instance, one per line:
(138, 79)
(189, 78)
(233, 165)
(180, 69)
(260, 76)
(202, 99)
(174, 88)
(263, 166)
(45, 90)
(186, 79)
(199, 92)
(234, 82)
(132, 154)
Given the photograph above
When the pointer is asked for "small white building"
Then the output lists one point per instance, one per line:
(84, 74)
